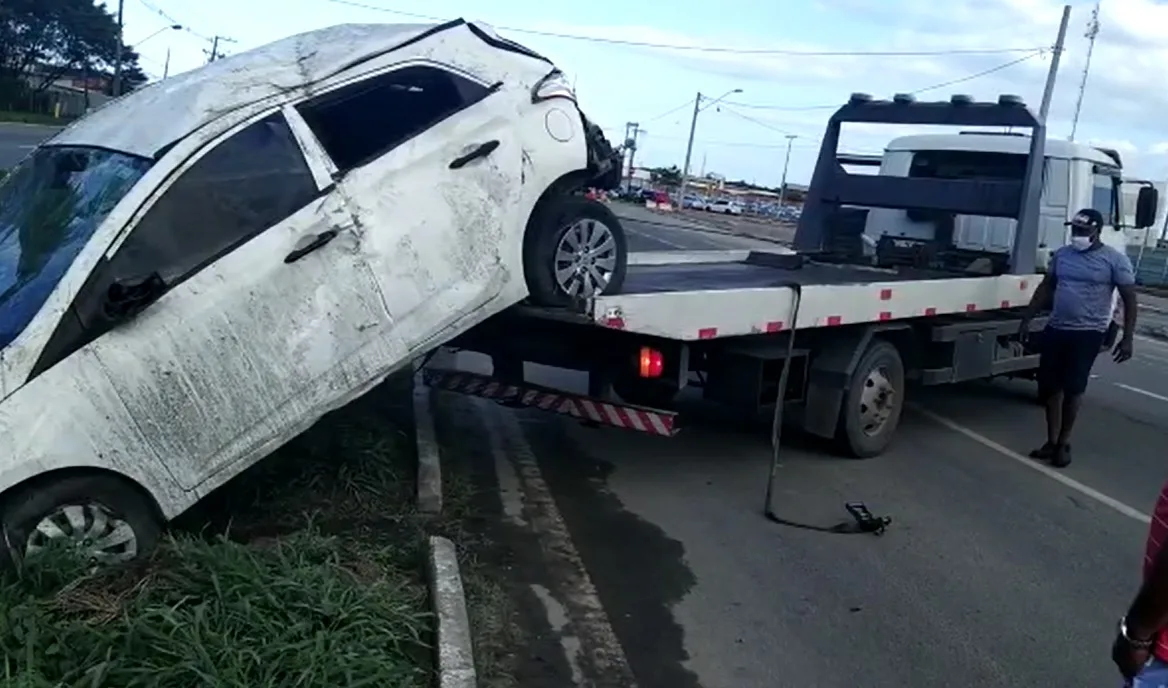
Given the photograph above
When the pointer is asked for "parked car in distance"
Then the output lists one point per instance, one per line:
(725, 207)
(275, 234)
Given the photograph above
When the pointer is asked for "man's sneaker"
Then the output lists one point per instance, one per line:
(1046, 452)
(1061, 457)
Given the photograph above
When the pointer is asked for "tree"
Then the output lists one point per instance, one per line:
(43, 40)
(666, 176)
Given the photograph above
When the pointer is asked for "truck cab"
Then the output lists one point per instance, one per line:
(1075, 176)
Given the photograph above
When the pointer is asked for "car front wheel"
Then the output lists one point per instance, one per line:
(574, 249)
(104, 519)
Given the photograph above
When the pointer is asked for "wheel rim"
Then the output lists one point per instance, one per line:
(877, 402)
(585, 258)
(90, 529)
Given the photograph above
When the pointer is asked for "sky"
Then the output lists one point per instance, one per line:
(793, 62)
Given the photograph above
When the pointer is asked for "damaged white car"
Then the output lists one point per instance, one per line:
(195, 273)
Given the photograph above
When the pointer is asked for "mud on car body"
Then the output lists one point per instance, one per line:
(196, 272)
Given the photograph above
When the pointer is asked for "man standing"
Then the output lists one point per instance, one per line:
(1140, 650)
(1078, 288)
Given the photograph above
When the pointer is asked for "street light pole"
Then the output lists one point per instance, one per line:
(116, 88)
(786, 163)
(693, 125)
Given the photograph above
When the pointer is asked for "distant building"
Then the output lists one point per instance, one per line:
(69, 93)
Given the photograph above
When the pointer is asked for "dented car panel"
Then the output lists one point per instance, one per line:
(268, 268)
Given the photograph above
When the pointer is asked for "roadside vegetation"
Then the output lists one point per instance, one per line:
(309, 570)
(33, 118)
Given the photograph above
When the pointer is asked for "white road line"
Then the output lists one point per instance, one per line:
(1137, 390)
(599, 647)
(653, 237)
(1053, 474)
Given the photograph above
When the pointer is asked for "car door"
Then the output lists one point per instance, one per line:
(235, 310)
(430, 164)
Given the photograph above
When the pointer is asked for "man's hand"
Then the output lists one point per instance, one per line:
(1024, 330)
(1129, 660)
(1123, 350)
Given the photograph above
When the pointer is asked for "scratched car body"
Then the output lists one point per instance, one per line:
(195, 273)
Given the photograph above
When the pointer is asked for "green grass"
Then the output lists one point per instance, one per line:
(306, 571)
(33, 118)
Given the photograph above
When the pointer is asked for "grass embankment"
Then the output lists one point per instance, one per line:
(33, 118)
(306, 571)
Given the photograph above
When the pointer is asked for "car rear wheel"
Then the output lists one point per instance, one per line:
(574, 249)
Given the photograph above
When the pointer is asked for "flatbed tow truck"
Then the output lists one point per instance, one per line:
(836, 328)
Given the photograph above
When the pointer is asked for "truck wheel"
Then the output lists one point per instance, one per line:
(640, 392)
(107, 519)
(574, 249)
(872, 405)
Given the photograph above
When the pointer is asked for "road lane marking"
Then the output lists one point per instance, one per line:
(1054, 474)
(598, 646)
(652, 237)
(1137, 390)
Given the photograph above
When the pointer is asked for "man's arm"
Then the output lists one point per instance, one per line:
(1124, 277)
(1148, 614)
(1043, 296)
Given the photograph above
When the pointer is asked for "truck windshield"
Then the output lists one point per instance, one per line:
(50, 206)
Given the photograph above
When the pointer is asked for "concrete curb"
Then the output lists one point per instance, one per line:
(455, 652)
(429, 488)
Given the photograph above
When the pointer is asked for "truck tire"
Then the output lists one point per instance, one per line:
(574, 249)
(871, 407)
(109, 519)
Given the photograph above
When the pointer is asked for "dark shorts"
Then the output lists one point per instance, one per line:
(1065, 360)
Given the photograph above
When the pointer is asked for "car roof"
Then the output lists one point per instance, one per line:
(148, 120)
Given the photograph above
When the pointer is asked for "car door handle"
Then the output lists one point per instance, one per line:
(308, 244)
(482, 151)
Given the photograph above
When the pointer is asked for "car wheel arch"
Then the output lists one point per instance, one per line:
(14, 486)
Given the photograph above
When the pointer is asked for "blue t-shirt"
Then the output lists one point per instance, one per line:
(1085, 284)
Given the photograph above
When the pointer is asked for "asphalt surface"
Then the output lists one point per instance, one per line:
(18, 140)
(995, 572)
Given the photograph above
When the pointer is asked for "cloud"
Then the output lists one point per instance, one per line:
(1123, 105)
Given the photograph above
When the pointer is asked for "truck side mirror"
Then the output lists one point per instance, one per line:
(1147, 202)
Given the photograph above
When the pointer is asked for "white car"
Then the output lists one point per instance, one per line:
(193, 274)
(725, 207)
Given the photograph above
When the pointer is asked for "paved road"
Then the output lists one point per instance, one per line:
(17, 140)
(996, 572)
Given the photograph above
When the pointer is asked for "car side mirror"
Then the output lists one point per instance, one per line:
(127, 298)
(1147, 203)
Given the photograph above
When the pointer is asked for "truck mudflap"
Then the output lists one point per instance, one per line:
(585, 408)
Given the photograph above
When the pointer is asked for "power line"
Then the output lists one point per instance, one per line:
(709, 49)
(170, 18)
(944, 84)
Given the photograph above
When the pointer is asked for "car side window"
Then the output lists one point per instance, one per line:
(362, 121)
(245, 185)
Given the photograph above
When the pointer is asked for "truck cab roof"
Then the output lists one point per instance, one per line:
(1000, 142)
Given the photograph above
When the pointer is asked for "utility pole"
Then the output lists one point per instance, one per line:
(166, 65)
(1092, 33)
(1052, 75)
(786, 163)
(693, 125)
(215, 40)
(633, 131)
(119, 53)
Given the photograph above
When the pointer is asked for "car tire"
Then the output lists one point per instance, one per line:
(871, 408)
(120, 505)
(555, 226)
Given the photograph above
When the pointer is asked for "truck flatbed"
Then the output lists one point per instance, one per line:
(691, 296)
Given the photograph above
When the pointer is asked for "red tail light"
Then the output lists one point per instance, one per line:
(651, 363)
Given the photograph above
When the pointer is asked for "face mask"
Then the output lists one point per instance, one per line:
(1081, 243)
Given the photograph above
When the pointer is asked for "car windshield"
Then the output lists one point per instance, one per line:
(50, 205)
